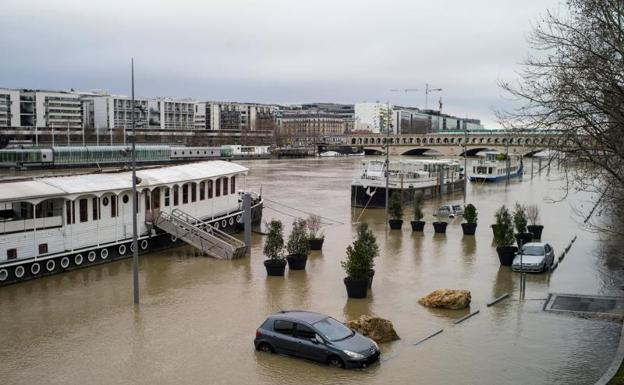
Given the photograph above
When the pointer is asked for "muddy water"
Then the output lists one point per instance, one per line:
(198, 316)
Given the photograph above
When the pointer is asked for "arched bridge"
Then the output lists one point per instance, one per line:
(520, 143)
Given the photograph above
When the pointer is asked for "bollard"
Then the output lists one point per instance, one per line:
(247, 222)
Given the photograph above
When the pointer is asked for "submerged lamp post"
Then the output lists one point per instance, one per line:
(135, 246)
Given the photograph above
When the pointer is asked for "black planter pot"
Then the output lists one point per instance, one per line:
(356, 288)
(395, 224)
(523, 238)
(418, 226)
(316, 243)
(371, 274)
(275, 267)
(440, 227)
(297, 262)
(469, 228)
(506, 254)
(536, 230)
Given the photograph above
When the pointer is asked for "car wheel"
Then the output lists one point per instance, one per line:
(264, 347)
(335, 361)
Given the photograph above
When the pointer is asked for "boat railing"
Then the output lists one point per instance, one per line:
(179, 214)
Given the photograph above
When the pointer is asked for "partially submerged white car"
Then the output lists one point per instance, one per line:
(450, 211)
(534, 257)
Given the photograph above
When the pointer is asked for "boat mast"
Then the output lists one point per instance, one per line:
(135, 246)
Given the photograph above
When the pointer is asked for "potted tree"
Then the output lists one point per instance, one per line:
(439, 226)
(395, 207)
(298, 246)
(315, 237)
(273, 249)
(470, 215)
(520, 223)
(533, 216)
(360, 262)
(418, 224)
(504, 236)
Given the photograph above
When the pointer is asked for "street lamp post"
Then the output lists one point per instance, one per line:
(465, 163)
(135, 246)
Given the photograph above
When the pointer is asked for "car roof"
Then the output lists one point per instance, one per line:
(542, 244)
(300, 315)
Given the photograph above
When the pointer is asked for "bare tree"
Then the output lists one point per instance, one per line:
(574, 85)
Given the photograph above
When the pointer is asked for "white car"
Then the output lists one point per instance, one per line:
(534, 257)
(450, 211)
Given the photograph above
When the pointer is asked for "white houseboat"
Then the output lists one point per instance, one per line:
(54, 224)
(430, 177)
(492, 166)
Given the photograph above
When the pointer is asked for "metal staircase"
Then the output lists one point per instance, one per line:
(200, 235)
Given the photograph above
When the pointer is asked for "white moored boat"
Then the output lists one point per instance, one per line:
(431, 177)
(492, 166)
(53, 224)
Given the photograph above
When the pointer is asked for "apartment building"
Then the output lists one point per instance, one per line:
(171, 114)
(310, 122)
(9, 108)
(231, 116)
(102, 111)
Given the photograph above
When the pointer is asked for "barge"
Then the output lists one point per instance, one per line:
(54, 224)
(493, 166)
(430, 177)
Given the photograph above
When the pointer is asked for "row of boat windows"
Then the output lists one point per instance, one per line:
(490, 170)
(189, 192)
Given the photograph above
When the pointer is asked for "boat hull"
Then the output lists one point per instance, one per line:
(495, 178)
(360, 198)
(15, 271)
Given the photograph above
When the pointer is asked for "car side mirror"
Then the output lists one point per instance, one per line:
(317, 339)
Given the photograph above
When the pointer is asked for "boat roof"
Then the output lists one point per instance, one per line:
(38, 189)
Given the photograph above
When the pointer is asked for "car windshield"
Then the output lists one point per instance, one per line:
(332, 329)
(532, 250)
(457, 208)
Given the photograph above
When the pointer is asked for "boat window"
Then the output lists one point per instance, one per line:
(218, 187)
(209, 189)
(125, 198)
(11, 254)
(175, 195)
(82, 205)
(233, 184)
(147, 200)
(105, 201)
(489, 170)
(166, 193)
(193, 192)
(202, 191)
(185, 189)
(95, 203)
(225, 186)
(113, 206)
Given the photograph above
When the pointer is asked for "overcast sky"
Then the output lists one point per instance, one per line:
(273, 51)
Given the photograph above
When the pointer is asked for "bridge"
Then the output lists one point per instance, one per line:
(525, 143)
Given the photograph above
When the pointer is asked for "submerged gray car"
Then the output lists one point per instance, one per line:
(534, 257)
(316, 337)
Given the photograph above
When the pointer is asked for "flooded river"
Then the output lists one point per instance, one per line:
(198, 316)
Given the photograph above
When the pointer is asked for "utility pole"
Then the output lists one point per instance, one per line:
(465, 163)
(507, 163)
(387, 162)
(135, 243)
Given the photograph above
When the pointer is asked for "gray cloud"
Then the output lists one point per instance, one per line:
(272, 50)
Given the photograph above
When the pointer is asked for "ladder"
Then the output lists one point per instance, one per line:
(200, 235)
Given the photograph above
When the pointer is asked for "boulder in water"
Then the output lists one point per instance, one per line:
(447, 299)
(378, 329)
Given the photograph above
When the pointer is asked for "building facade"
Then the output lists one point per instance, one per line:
(314, 122)
(372, 117)
(103, 112)
(9, 108)
(171, 114)
(236, 117)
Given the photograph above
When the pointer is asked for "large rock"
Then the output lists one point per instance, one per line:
(447, 299)
(378, 329)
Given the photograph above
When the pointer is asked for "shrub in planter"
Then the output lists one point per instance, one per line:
(360, 262)
(439, 226)
(395, 208)
(274, 248)
(533, 215)
(298, 246)
(470, 216)
(504, 236)
(315, 236)
(418, 224)
(520, 223)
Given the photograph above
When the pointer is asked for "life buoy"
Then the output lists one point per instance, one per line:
(19, 271)
(78, 259)
(144, 244)
(132, 247)
(231, 220)
(91, 257)
(173, 238)
(104, 253)
(50, 265)
(122, 249)
(224, 223)
(4, 274)
(239, 218)
(216, 225)
(35, 268)
(65, 262)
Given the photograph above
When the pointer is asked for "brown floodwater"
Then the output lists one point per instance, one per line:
(198, 316)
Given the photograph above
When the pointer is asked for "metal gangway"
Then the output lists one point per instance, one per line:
(200, 235)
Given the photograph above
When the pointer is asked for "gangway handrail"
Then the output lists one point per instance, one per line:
(186, 217)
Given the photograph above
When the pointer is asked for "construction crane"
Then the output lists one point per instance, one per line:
(427, 92)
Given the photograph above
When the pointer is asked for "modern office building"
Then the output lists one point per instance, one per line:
(231, 116)
(372, 117)
(102, 111)
(9, 108)
(171, 114)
